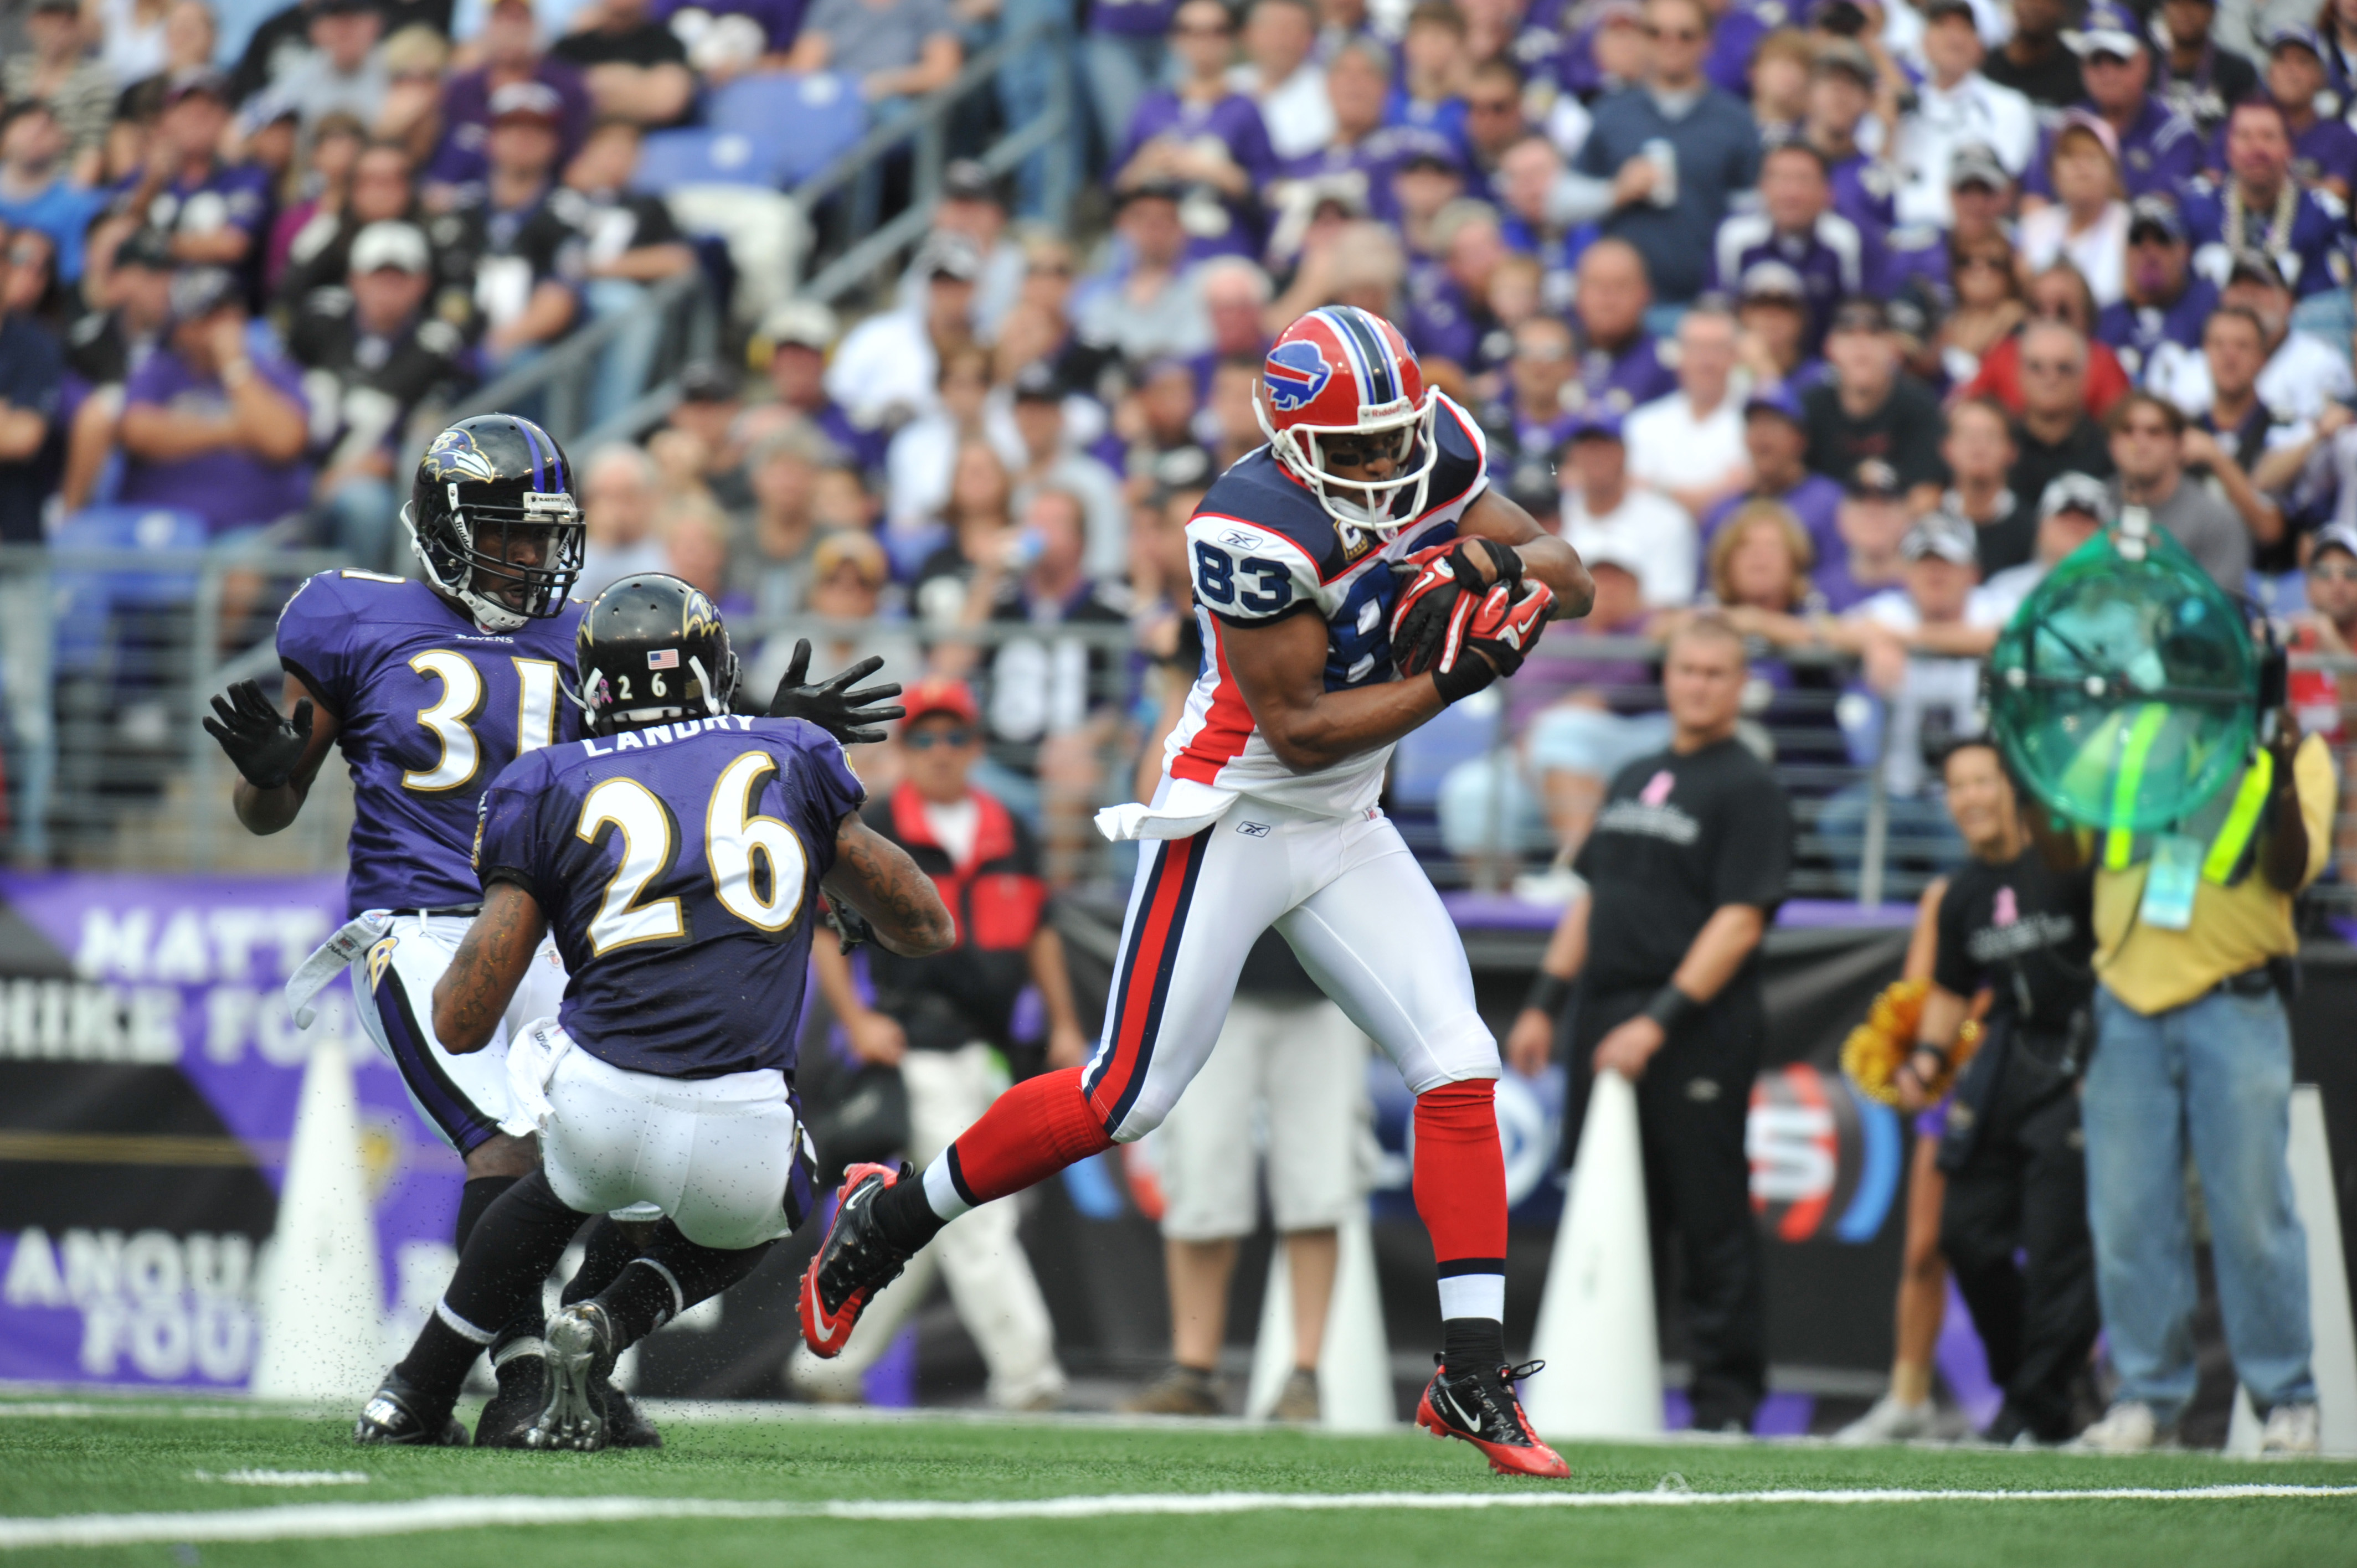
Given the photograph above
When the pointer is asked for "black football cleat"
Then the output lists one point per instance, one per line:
(853, 1263)
(398, 1415)
(523, 1395)
(580, 1357)
(1481, 1407)
(626, 1427)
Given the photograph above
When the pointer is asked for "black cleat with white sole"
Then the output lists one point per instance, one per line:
(511, 1411)
(398, 1415)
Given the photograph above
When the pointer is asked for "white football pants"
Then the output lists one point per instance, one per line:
(725, 1157)
(463, 1097)
(1358, 912)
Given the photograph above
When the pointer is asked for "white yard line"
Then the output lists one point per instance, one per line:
(286, 1478)
(311, 1521)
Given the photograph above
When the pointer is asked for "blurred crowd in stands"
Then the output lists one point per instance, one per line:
(1850, 316)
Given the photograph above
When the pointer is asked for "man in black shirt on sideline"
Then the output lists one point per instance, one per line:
(2013, 1151)
(1684, 867)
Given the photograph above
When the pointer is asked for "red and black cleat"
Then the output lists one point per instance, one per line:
(1481, 1407)
(854, 1262)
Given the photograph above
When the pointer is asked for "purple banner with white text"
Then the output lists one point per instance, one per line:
(148, 1078)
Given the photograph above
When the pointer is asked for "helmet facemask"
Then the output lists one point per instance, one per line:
(691, 692)
(1377, 507)
(466, 555)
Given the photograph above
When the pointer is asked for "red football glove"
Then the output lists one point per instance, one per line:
(1502, 627)
(1444, 584)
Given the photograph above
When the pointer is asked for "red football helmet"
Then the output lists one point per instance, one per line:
(1342, 371)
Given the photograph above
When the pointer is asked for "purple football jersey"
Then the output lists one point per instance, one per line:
(679, 867)
(429, 708)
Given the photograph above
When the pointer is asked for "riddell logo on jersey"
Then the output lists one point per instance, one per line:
(1295, 374)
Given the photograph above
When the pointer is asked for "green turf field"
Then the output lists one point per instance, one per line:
(88, 1458)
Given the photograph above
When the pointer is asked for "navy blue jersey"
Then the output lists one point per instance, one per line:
(1260, 547)
(679, 867)
(429, 708)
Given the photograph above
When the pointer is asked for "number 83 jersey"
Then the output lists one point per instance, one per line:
(429, 709)
(1260, 547)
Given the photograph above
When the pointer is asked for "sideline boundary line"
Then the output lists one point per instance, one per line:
(308, 1521)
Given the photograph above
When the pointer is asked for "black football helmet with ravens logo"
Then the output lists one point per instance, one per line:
(493, 519)
(650, 651)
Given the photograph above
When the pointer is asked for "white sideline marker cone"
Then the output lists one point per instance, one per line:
(1354, 1361)
(2332, 1353)
(323, 1303)
(1603, 1376)
(2333, 1358)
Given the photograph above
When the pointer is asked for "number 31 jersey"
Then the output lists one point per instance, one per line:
(678, 866)
(1260, 547)
(429, 708)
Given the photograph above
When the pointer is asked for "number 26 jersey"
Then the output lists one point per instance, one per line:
(678, 866)
(430, 709)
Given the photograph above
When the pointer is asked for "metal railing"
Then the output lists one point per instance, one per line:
(553, 388)
(926, 124)
(140, 785)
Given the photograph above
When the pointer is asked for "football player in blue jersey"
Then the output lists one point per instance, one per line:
(1355, 577)
(677, 852)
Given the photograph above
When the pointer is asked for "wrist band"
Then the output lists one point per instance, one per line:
(1671, 1007)
(1548, 992)
(1473, 673)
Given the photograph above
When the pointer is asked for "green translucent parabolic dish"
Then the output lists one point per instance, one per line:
(2123, 694)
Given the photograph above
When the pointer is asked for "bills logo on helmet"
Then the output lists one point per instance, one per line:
(454, 455)
(1296, 372)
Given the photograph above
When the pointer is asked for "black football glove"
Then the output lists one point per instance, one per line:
(265, 745)
(832, 704)
(1439, 587)
(851, 927)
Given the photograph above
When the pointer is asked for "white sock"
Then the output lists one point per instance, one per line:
(940, 1189)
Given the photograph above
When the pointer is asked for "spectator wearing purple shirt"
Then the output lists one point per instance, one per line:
(1432, 61)
(1359, 150)
(2323, 148)
(1448, 295)
(510, 55)
(1841, 92)
(1122, 57)
(1833, 256)
(215, 214)
(1527, 427)
(2159, 148)
(1619, 364)
(2261, 205)
(2158, 320)
(1776, 436)
(207, 427)
(1203, 136)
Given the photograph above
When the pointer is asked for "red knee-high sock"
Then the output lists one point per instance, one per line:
(1030, 1132)
(1033, 1130)
(1460, 1193)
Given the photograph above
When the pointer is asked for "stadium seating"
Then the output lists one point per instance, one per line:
(803, 121)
